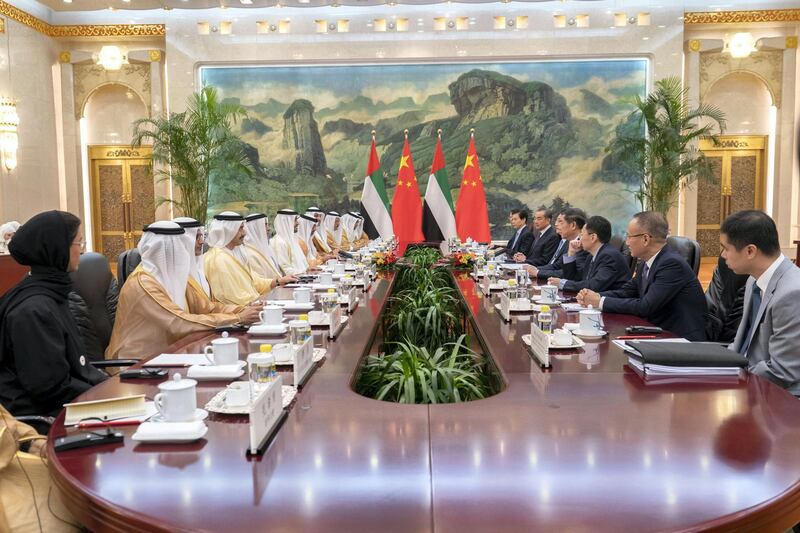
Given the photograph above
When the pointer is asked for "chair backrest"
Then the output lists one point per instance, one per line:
(688, 248)
(127, 263)
(725, 300)
(618, 242)
(97, 288)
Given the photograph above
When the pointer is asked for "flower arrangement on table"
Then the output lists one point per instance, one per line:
(384, 260)
(463, 260)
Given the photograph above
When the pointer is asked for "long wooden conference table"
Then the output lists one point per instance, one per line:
(586, 446)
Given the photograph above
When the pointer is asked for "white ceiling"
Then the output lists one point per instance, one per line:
(93, 5)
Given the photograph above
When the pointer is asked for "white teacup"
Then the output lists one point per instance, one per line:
(282, 352)
(522, 304)
(302, 295)
(549, 292)
(590, 321)
(237, 393)
(331, 262)
(272, 315)
(338, 268)
(177, 400)
(325, 278)
(562, 337)
(316, 317)
(222, 351)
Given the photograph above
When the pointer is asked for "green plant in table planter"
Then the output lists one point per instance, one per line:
(414, 374)
(429, 317)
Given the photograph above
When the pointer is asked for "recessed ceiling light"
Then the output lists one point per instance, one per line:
(127, 1)
(304, 1)
(67, 1)
(246, 2)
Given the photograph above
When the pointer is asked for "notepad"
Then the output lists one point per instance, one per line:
(178, 359)
(683, 358)
(106, 409)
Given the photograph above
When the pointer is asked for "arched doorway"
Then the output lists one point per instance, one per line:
(121, 177)
(740, 158)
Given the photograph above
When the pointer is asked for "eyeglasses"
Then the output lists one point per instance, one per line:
(628, 237)
(81, 245)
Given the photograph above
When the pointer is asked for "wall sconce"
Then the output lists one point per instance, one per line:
(462, 23)
(262, 26)
(225, 27)
(439, 24)
(402, 24)
(343, 25)
(379, 25)
(499, 22)
(284, 26)
(321, 26)
(582, 21)
(111, 58)
(9, 125)
(522, 23)
(559, 21)
(741, 45)
(643, 19)
(203, 28)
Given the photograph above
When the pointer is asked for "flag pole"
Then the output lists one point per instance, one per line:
(405, 132)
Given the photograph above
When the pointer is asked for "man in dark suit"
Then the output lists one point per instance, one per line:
(607, 270)
(545, 240)
(522, 238)
(665, 290)
(568, 226)
(769, 333)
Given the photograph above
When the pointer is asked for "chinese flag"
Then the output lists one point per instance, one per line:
(472, 215)
(407, 205)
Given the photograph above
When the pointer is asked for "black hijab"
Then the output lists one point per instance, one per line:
(43, 243)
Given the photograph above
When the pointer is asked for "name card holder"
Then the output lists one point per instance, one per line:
(303, 362)
(266, 417)
(485, 285)
(335, 323)
(505, 307)
(352, 301)
(367, 279)
(540, 346)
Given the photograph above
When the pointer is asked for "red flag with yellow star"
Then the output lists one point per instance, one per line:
(407, 205)
(472, 215)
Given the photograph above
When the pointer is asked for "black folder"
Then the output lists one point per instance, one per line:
(687, 354)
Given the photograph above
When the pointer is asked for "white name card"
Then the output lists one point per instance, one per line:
(335, 322)
(265, 411)
(485, 285)
(352, 300)
(367, 279)
(303, 360)
(540, 345)
(505, 307)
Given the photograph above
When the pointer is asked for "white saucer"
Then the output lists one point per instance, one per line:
(532, 308)
(295, 306)
(268, 329)
(591, 336)
(576, 343)
(199, 416)
(326, 321)
(170, 431)
(551, 303)
(216, 373)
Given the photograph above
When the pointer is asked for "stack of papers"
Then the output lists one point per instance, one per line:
(679, 357)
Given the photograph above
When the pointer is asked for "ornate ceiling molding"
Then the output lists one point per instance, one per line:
(739, 17)
(82, 30)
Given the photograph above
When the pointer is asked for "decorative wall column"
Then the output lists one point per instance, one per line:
(787, 181)
(67, 136)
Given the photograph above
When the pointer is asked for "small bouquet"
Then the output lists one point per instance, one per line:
(384, 260)
(463, 260)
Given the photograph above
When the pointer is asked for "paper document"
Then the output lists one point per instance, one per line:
(178, 359)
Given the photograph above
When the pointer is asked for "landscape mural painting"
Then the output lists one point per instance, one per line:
(541, 128)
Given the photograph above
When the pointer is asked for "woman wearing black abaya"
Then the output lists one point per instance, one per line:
(42, 365)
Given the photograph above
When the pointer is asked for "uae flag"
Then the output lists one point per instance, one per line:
(407, 204)
(472, 215)
(438, 222)
(374, 203)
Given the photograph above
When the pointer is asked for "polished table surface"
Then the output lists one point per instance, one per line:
(586, 446)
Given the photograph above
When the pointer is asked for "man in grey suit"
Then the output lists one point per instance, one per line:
(769, 333)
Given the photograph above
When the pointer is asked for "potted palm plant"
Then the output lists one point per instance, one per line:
(194, 145)
(663, 149)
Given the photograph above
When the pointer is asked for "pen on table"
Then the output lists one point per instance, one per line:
(109, 423)
(635, 337)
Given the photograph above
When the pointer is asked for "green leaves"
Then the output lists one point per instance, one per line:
(663, 152)
(426, 355)
(413, 374)
(194, 145)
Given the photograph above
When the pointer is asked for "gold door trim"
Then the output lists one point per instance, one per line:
(124, 157)
(728, 147)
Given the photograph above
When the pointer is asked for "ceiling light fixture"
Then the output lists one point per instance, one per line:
(741, 45)
(111, 58)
